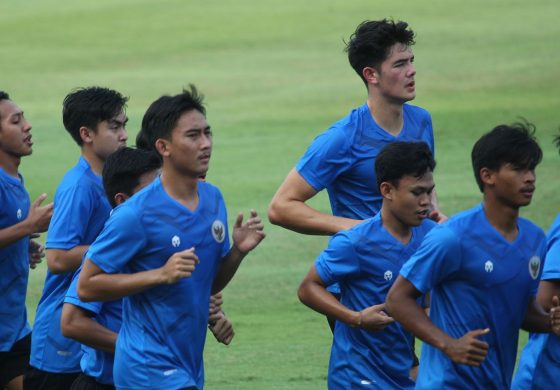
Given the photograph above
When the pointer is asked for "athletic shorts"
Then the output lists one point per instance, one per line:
(36, 379)
(85, 382)
(14, 362)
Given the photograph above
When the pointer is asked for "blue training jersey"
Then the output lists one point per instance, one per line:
(14, 263)
(365, 260)
(163, 331)
(342, 159)
(96, 363)
(539, 366)
(478, 280)
(80, 211)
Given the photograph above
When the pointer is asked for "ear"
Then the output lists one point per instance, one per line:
(85, 134)
(162, 146)
(120, 198)
(371, 75)
(386, 190)
(488, 176)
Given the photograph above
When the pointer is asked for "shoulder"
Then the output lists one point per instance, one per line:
(530, 229)
(79, 179)
(416, 111)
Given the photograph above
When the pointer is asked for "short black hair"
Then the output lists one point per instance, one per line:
(513, 144)
(162, 116)
(4, 96)
(87, 107)
(123, 168)
(372, 41)
(399, 159)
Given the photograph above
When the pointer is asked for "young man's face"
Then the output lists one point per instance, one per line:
(410, 201)
(15, 131)
(512, 185)
(396, 75)
(109, 136)
(190, 147)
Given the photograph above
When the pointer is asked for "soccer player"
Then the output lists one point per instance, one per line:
(178, 221)
(369, 348)
(482, 267)
(95, 118)
(96, 324)
(342, 158)
(539, 365)
(19, 220)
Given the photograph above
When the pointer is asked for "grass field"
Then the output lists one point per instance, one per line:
(275, 75)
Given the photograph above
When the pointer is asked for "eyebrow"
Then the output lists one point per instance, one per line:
(198, 129)
(118, 122)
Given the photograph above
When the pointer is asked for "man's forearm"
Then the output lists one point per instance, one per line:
(228, 267)
(14, 233)
(65, 260)
(77, 325)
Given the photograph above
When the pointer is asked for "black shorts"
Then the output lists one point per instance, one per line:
(36, 379)
(85, 382)
(14, 362)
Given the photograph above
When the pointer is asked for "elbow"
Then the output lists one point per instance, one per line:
(302, 293)
(277, 213)
(55, 263)
(67, 325)
(84, 292)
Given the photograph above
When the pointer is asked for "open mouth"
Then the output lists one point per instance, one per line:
(423, 214)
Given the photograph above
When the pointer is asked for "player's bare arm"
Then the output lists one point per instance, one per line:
(96, 285)
(246, 236)
(313, 293)
(403, 306)
(288, 209)
(37, 221)
(540, 320)
(36, 251)
(77, 323)
(62, 260)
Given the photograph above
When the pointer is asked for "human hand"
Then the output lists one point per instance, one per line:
(437, 216)
(180, 265)
(36, 252)
(222, 329)
(374, 319)
(555, 315)
(468, 349)
(248, 235)
(39, 216)
(215, 311)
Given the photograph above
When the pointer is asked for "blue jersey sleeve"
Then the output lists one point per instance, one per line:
(325, 159)
(122, 237)
(551, 269)
(72, 296)
(338, 261)
(68, 227)
(438, 258)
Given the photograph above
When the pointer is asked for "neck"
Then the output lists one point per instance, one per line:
(10, 164)
(183, 189)
(388, 115)
(95, 163)
(502, 217)
(395, 226)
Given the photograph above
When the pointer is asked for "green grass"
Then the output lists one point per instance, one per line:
(275, 75)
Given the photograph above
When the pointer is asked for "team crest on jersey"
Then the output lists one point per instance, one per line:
(218, 231)
(534, 266)
(488, 266)
(175, 241)
(18, 214)
(388, 275)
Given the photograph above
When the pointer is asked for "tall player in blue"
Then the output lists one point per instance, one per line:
(19, 220)
(482, 267)
(95, 118)
(539, 366)
(369, 348)
(177, 220)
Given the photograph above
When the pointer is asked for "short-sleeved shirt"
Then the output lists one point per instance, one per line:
(342, 159)
(163, 331)
(96, 363)
(539, 366)
(14, 263)
(80, 211)
(478, 280)
(365, 260)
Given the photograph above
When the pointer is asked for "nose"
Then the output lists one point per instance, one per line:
(411, 70)
(206, 141)
(425, 199)
(124, 135)
(530, 176)
(26, 126)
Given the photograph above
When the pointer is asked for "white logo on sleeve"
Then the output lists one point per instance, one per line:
(170, 372)
(18, 214)
(175, 241)
(218, 231)
(489, 266)
(534, 267)
(388, 275)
